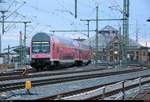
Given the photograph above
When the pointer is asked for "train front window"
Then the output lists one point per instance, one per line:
(35, 48)
(40, 47)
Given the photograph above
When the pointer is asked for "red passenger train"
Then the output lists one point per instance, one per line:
(47, 51)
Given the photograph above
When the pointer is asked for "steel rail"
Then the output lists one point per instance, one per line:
(119, 90)
(16, 72)
(50, 73)
(107, 94)
(20, 71)
(19, 85)
(32, 73)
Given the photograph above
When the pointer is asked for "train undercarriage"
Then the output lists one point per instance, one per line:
(45, 64)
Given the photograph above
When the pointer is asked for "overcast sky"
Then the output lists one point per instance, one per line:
(48, 15)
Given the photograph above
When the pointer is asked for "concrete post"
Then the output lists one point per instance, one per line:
(123, 91)
(140, 84)
(104, 89)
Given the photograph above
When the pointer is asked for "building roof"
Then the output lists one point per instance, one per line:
(104, 39)
(109, 28)
(134, 44)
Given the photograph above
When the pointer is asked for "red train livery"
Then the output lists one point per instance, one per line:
(47, 51)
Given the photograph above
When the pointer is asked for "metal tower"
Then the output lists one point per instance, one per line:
(96, 42)
(125, 32)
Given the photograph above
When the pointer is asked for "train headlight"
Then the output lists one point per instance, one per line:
(115, 52)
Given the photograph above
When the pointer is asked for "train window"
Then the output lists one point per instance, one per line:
(35, 48)
(40, 47)
(45, 48)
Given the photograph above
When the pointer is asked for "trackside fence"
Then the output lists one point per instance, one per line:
(102, 93)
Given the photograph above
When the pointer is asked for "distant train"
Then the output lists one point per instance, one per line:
(49, 51)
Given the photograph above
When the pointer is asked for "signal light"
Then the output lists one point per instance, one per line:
(148, 20)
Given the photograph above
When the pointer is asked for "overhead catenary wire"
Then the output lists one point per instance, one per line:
(15, 17)
(44, 11)
(18, 14)
(10, 5)
(116, 2)
(11, 26)
(15, 10)
(65, 10)
(73, 23)
(85, 4)
(47, 12)
(64, 7)
(115, 5)
(67, 19)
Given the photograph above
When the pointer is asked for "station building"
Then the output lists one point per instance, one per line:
(110, 48)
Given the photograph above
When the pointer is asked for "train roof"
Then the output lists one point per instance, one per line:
(66, 41)
(59, 39)
(41, 37)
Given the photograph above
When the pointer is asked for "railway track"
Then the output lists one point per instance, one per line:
(62, 78)
(31, 70)
(31, 73)
(86, 94)
(16, 72)
(143, 95)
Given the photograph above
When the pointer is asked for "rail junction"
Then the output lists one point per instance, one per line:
(82, 83)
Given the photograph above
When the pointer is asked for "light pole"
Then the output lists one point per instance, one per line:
(148, 20)
(25, 37)
(75, 8)
(3, 11)
(96, 39)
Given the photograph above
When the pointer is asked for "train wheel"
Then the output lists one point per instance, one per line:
(37, 69)
(56, 64)
(88, 62)
(79, 63)
(40, 68)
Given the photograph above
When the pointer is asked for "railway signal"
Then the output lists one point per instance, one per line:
(2, 11)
